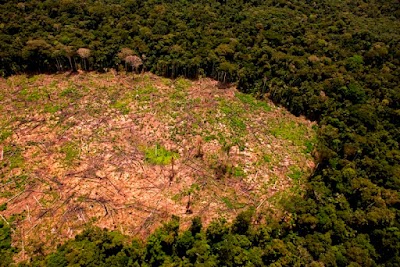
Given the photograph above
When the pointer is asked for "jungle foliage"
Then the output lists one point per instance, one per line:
(337, 62)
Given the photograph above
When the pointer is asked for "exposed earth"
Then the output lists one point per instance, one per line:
(127, 151)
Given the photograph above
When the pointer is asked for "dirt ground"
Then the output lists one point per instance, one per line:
(79, 150)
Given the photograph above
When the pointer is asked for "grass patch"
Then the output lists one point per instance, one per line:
(122, 106)
(252, 102)
(31, 96)
(295, 173)
(159, 155)
(20, 180)
(232, 204)
(179, 96)
(238, 172)
(266, 158)
(234, 116)
(70, 92)
(228, 203)
(143, 94)
(50, 108)
(15, 182)
(71, 153)
(290, 131)
(3, 207)
(4, 134)
(237, 124)
(309, 147)
(209, 138)
(49, 198)
(12, 157)
(34, 78)
(166, 81)
(182, 84)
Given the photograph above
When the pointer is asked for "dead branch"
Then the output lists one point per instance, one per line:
(172, 174)
(188, 208)
(147, 221)
(56, 208)
(30, 229)
(14, 197)
(4, 219)
(40, 204)
(29, 214)
(261, 203)
(102, 201)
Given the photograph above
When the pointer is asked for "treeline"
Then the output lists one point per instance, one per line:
(220, 244)
(337, 62)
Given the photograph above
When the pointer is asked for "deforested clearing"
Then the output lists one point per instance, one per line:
(128, 151)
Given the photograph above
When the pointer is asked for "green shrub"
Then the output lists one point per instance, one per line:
(159, 155)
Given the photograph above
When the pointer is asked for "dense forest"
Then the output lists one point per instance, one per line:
(336, 62)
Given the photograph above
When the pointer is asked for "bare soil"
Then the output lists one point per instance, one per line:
(73, 153)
